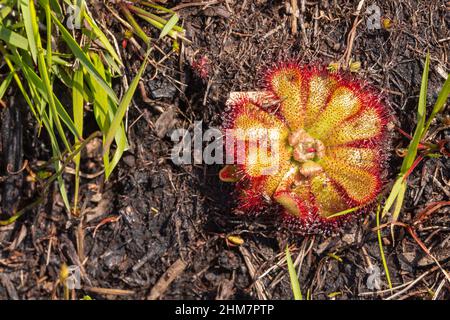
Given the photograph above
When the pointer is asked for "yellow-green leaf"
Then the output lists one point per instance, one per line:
(293, 276)
(169, 26)
(123, 106)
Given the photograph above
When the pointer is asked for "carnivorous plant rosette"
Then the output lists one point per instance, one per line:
(312, 142)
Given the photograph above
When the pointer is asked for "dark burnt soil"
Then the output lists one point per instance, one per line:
(158, 230)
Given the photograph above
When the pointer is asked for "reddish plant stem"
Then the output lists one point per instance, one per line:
(420, 146)
(414, 165)
(432, 207)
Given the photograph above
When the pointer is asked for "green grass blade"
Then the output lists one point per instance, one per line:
(56, 155)
(48, 20)
(295, 285)
(101, 102)
(121, 144)
(123, 106)
(157, 7)
(62, 187)
(421, 110)
(20, 85)
(77, 95)
(380, 244)
(5, 84)
(440, 103)
(62, 75)
(104, 111)
(398, 205)
(160, 21)
(12, 38)
(392, 196)
(343, 212)
(60, 61)
(19, 213)
(102, 37)
(4, 12)
(169, 26)
(158, 25)
(78, 113)
(44, 72)
(136, 28)
(27, 13)
(112, 64)
(54, 4)
(84, 59)
(33, 78)
(174, 34)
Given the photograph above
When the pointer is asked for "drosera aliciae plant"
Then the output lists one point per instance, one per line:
(331, 147)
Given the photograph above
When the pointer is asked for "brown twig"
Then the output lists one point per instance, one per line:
(432, 207)
(351, 37)
(109, 291)
(259, 287)
(294, 8)
(166, 279)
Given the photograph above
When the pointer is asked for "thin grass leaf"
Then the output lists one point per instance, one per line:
(48, 21)
(421, 110)
(5, 84)
(102, 37)
(77, 99)
(160, 21)
(343, 213)
(33, 78)
(60, 61)
(61, 185)
(295, 285)
(104, 111)
(4, 12)
(62, 75)
(12, 38)
(43, 71)
(71, 156)
(123, 106)
(399, 189)
(56, 154)
(121, 145)
(136, 28)
(160, 26)
(79, 12)
(78, 113)
(48, 124)
(157, 7)
(112, 63)
(440, 103)
(19, 213)
(54, 4)
(28, 12)
(398, 205)
(380, 244)
(392, 196)
(169, 26)
(84, 59)
(20, 85)
(102, 105)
